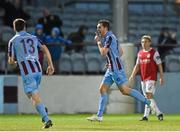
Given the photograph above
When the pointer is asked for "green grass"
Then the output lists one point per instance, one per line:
(79, 123)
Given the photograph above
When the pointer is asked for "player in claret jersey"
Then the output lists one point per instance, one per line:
(148, 62)
(23, 47)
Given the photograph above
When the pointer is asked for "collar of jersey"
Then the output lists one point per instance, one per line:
(108, 33)
(21, 32)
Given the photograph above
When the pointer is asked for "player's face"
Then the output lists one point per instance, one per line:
(145, 43)
(101, 29)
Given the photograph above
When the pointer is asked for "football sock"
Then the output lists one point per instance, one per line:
(146, 110)
(156, 107)
(41, 109)
(134, 93)
(102, 104)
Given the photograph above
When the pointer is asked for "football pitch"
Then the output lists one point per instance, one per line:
(78, 122)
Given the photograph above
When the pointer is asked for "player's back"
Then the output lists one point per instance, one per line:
(25, 48)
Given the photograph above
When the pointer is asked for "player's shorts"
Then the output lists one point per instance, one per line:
(31, 82)
(119, 77)
(148, 86)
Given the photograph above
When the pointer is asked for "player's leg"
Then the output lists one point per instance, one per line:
(106, 83)
(31, 89)
(146, 107)
(102, 104)
(150, 90)
(125, 90)
(120, 80)
(103, 99)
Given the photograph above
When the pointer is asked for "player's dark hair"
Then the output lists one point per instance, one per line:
(19, 24)
(105, 23)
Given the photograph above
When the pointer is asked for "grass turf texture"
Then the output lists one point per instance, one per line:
(78, 122)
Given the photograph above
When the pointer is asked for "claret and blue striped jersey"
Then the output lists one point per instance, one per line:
(113, 56)
(24, 48)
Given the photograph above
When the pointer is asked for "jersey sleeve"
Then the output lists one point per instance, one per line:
(138, 59)
(11, 51)
(108, 42)
(40, 43)
(157, 58)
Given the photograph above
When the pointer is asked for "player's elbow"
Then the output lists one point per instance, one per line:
(103, 52)
(11, 62)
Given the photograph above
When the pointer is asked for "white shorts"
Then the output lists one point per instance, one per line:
(148, 86)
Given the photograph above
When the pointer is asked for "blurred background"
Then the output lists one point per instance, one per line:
(67, 28)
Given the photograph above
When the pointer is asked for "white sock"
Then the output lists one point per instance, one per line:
(156, 107)
(146, 111)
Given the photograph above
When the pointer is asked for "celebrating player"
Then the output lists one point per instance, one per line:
(108, 46)
(23, 47)
(148, 62)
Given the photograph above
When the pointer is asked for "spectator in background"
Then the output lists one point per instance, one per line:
(166, 37)
(54, 43)
(77, 39)
(177, 6)
(40, 35)
(49, 21)
(13, 9)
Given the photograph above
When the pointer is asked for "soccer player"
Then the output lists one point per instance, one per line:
(148, 62)
(23, 50)
(108, 46)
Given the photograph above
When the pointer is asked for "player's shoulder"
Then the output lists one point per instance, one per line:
(31, 35)
(13, 38)
(111, 36)
(141, 51)
(154, 51)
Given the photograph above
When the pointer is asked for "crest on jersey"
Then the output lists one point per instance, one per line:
(148, 55)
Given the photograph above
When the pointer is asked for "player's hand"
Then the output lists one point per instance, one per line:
(161, 81)
(50, 70)
(131, 78)
(96, 38)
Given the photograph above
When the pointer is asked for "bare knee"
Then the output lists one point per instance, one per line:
(125, 90)
(36, 98)
(103, 88)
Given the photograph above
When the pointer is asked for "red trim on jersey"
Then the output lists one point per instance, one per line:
(148, 66)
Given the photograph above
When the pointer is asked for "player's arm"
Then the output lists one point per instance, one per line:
(120, 51)
(161, 74)
(134, 72)
(103, 50)
(50, 68)
(157, 59)
(135, 69)
(11, 59)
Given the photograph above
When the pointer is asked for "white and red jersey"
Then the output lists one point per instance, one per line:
(148, 61)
